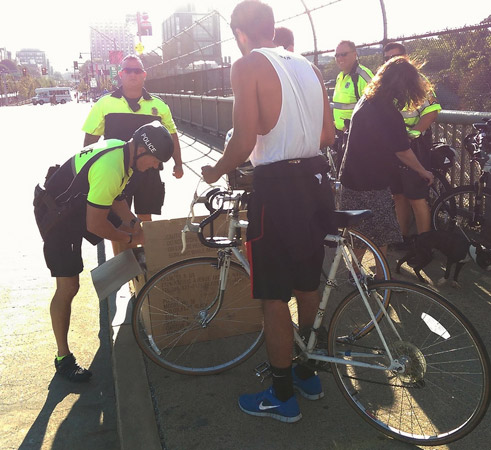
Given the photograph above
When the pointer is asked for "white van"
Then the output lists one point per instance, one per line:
(45, 95)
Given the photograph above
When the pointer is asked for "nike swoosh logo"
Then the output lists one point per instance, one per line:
(265, 407)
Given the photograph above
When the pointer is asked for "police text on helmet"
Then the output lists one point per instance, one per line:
(147, 142)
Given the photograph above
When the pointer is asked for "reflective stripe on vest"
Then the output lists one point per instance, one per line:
(345, 106)
(409, 114)
(363, 73)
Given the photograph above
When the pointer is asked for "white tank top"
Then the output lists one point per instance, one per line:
(298, 130)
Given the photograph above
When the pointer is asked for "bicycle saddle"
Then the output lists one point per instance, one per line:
(348, 218)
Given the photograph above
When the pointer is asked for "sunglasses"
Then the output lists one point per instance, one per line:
(342, 55)
(388, 58)
(129, 70)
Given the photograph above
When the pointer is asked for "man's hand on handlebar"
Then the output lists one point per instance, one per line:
(210, 174)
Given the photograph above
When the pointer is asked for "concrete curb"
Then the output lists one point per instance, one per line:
(137, 425)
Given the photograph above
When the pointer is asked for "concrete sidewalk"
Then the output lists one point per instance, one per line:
(178, 412)
(181, 412)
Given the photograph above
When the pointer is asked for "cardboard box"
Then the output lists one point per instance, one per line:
(193, 290)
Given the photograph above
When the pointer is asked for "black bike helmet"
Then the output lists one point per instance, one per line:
(156, 140)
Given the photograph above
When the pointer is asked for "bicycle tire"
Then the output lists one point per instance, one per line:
(439, 187)
(444, 391)
(454, 211)
(170, 310)
(369, 262)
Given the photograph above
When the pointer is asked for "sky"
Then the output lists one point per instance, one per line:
(62, 30)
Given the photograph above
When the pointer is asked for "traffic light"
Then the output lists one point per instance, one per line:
(44, 71)
(75, 65)
(24, 72)
(144, 26)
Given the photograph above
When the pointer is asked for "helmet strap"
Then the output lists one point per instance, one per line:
(137, 156)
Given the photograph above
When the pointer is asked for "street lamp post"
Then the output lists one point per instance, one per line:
(89, 86)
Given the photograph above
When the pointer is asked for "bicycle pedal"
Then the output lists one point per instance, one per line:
(263, 371)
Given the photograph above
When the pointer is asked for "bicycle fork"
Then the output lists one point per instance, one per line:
(223, 264)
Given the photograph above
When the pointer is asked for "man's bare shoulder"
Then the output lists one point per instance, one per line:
(253, 60)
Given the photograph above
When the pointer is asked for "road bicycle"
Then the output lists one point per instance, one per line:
(404, 358)
(467, 208)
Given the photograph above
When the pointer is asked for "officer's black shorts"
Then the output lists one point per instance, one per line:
(410, 184)
(147, 190)
(63, 253)
(407, 181)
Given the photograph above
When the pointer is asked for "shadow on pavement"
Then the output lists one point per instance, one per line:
(91, 421)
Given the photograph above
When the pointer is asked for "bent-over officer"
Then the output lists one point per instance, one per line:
(75, 204)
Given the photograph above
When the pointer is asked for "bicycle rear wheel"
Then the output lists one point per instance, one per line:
(184, 322)
(455, 210)
(373, 264)
(443, 393)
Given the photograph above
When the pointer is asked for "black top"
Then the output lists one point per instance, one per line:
(377, 132)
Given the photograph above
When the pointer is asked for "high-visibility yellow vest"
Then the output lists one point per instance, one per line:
(411, 118)
(345, 95)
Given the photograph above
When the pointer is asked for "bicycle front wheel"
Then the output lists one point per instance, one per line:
(441, 394)
(184, 321)
(457, 210)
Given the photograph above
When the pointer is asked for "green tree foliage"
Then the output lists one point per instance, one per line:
(457, 63)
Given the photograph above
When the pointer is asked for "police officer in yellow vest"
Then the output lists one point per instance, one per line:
(409, 192)
(350, 83)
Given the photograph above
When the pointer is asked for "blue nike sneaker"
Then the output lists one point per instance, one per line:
(266, 404)
(310, 388)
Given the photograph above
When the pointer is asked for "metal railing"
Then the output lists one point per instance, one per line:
(214, 115)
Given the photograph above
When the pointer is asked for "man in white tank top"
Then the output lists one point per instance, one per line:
(281, 119)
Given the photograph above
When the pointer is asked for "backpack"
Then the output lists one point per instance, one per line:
(49, 211)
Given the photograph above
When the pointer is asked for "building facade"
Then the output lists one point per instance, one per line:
(191, 39)
(106, 38)
(31, 57)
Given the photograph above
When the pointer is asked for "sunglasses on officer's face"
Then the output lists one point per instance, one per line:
(129, 70)
(388, 58)
(342, 55)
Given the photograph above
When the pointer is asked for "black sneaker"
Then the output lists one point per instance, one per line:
(69, 369)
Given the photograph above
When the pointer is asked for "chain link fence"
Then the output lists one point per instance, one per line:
(457, 61)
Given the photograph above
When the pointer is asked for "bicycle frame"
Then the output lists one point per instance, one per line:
(343, 251)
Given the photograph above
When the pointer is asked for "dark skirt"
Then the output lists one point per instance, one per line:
(382, 228)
